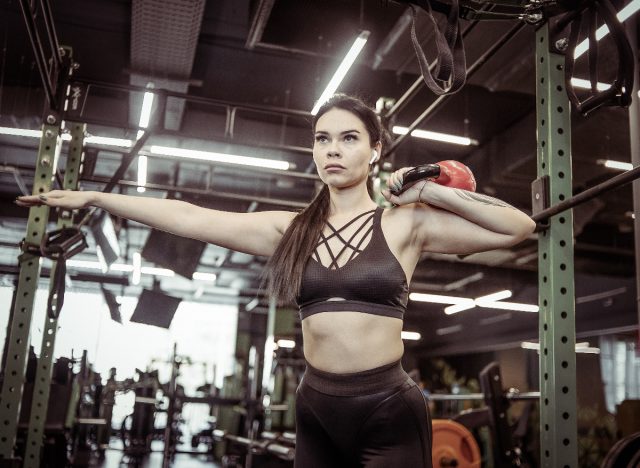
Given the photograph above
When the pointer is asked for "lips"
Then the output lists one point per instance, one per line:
(329, 167)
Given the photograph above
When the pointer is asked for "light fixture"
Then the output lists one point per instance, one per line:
(137, 268)
(342, 70)
(156, 271)
(582, 347)
(204, 276)
(428, 135)
(20, 132)
(218, 157)
(137, 260)
(603, 30)
(90, 139)
(286, 344)
(611, 164)
(407, 335)
(478, 301)
(106, 141)
(142, 173)
(145, 116)
(510, 306)
(448, 330)
(491, 301)
(586, 84)
(438, 299)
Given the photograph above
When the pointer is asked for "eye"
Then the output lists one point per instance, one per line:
(350, 137)
(321, 138)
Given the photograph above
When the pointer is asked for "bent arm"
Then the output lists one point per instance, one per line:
(467, 222)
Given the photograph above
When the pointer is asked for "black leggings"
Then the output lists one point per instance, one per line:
(376, 418)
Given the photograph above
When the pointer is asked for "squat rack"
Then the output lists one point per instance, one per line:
(558, 430)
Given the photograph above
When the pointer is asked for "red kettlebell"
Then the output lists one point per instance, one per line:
(457, 175)
(449, 173)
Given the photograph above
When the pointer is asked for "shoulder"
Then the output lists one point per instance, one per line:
(401, 224)
(407, 216)
(282, 219)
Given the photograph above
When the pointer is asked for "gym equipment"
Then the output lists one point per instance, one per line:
(453, 445)
(257, 447)
(624, 454)
(506, 444)
(450, 173)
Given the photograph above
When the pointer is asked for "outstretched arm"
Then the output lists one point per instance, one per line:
(254, 233)
(452, 220)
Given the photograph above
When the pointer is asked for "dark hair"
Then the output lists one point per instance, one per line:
(285, 267)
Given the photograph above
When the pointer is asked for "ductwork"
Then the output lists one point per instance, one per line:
(164, 37)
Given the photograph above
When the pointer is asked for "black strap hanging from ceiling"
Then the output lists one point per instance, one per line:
(450, 71)
(451, 66)
(58, 245)
(620, 92)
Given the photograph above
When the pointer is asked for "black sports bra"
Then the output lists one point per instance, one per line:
(371, 280)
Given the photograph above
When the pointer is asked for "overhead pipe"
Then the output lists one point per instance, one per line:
(470, 72)
(419, 83)
(259, 22)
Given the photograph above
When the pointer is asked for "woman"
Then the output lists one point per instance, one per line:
(348, 265)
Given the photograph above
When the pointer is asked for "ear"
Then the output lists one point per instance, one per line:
(375, 153)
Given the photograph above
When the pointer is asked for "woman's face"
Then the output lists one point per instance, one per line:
(342, 149)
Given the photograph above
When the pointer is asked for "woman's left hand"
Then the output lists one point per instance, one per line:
(410, 195)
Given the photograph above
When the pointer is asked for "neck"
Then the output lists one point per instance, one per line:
(350, 200)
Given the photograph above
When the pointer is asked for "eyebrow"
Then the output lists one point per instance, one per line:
(322, 132)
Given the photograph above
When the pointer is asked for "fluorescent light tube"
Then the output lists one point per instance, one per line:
(471, 303)
(286, 344)
(603, 30)
(448, 330)
(107, 141)
(438, 299)
(145, 116)
(510, 306)
(20, 132)
(137, 268)
(219, 157)
(204, 276)
(342, 70)
(454, 309)
(586, 84)
(90, 139)
(142, 173)
(496, 296)
(157, 271)
(611, 164)
(407, 335)
(579, 347)
(428, 135)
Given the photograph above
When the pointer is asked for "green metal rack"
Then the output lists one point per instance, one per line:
(558, 427)
(42, 384)
(18, 333)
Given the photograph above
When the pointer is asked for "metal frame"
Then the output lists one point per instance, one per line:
(558, 415)
(20, 322)
(42, 385)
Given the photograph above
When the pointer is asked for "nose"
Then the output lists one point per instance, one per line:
(332, 151)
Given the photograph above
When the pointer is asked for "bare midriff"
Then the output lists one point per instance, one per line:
(344, 342)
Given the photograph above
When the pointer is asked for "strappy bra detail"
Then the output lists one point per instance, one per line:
(363, 276)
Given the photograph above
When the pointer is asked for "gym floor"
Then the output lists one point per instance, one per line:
(114, 458)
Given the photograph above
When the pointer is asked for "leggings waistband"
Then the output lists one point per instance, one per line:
(365, 382)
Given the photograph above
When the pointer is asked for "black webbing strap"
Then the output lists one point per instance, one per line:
(59, 246)
(620, 92)
(451, 69)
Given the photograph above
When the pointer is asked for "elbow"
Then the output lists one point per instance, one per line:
(525, 229)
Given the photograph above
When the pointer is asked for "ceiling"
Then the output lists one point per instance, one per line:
(252, 70)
